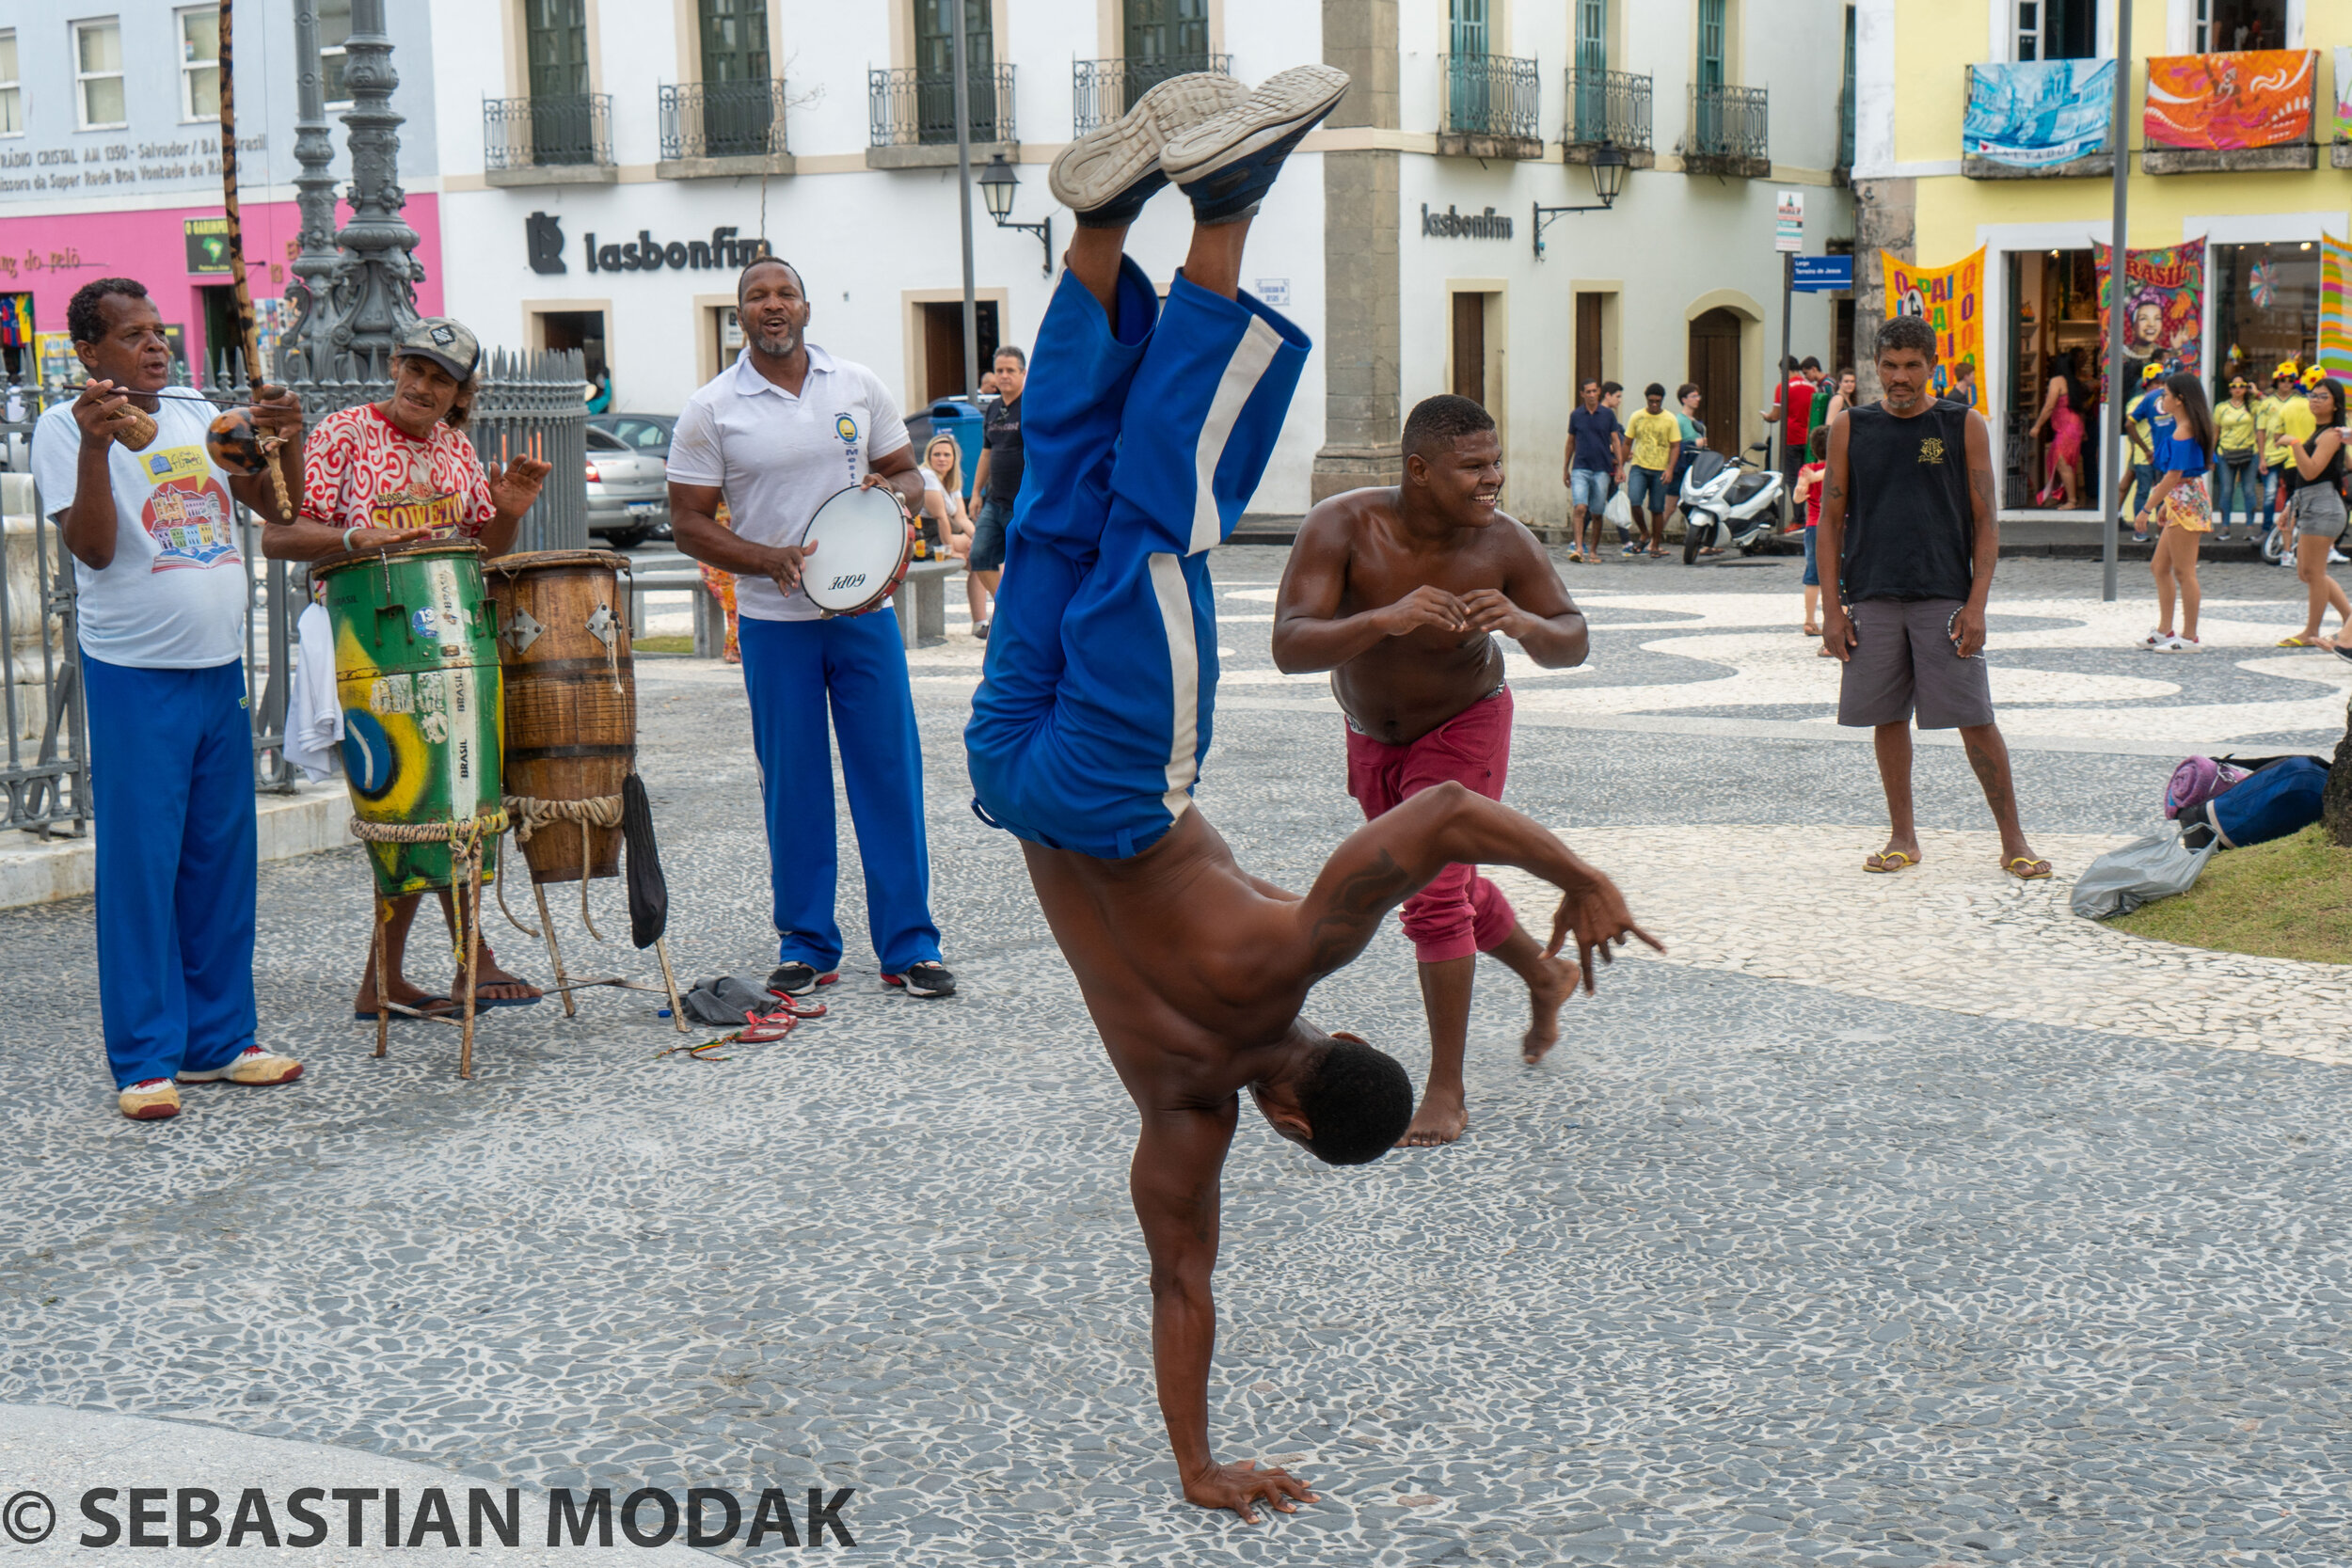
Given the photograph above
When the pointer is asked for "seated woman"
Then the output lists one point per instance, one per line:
(385, 473)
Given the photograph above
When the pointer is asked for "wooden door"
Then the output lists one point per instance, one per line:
(556, 36)
(943, 346)
(1715, 371)
(1588, 319)
(1469, 347)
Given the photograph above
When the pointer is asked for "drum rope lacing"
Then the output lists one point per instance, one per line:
(466, 835)
(532, 815)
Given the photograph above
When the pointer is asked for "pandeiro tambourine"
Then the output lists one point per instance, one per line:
(865, 539)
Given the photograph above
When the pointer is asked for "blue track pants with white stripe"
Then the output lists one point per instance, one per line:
(1144, 437)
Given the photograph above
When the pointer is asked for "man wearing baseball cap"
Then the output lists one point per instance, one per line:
(2270, 436)
(388, 472)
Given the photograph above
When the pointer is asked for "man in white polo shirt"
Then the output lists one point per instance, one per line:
(772, 436)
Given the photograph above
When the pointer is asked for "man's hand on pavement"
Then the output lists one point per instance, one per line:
(1237, 1486)
(1425, 606)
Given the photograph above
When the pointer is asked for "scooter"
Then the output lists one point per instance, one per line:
(1728, 501)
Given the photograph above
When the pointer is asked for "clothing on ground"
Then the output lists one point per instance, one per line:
(1459, 913)
(361, 470)
(857, 663)
(1653, 436)
(1000, 434)
(1904, 662)
(171, 788)
(1151, 428)
(1596, 432)
(174, 595)
(1910, 527)
(777, 457)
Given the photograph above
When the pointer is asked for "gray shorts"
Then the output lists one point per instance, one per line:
(1904, 659)
(2319, 512)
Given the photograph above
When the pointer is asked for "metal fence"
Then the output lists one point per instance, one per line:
(1608, 106)
(1493, 95)
(1730, 128)
(723, 119)
(523, 398)
(529, 133)
(912, 108)
(1102, 90)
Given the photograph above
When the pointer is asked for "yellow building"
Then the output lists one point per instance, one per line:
(2029, 177)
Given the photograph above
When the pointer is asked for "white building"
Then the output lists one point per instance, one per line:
(827, 130)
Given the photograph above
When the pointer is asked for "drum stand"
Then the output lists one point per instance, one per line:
(466, 909)
(564, 985)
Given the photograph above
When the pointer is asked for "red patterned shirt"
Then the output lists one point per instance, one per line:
(361, 470)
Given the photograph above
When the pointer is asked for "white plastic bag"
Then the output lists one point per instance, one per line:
(2141, 872)
(1618, 513)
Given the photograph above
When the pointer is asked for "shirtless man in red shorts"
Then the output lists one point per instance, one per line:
(1397, 592)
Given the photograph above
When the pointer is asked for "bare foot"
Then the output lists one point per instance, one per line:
(1544, 999)
(493, 984)
(1440, 1119)
(403, 993)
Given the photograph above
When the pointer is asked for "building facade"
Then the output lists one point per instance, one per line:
(2221, 167)
(110, 162)
(605, 164)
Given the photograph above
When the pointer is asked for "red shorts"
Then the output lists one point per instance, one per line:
(1459, 913)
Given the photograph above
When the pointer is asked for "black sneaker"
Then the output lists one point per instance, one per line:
(924, 979)
(797, 979)
(1226, 164)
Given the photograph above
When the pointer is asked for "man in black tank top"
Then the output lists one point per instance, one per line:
(1909, 537)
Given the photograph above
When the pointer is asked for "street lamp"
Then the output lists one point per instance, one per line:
(1608, 167)
(997, 184)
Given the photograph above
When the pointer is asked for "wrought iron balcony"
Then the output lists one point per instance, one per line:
(912, 108)
(547, 132)
(723, 119)
(1101, 91)
(1493, 107)
(1729, 133)
(1607, 105)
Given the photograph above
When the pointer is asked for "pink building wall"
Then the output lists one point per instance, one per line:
(52, 255)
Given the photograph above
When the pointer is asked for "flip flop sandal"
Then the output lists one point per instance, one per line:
(484, 1002)
(2299, 641)
(2030, 874)
(1893, 860)
(422, 1005)
(759, 1030)
(1808, 631)
(795, 1007)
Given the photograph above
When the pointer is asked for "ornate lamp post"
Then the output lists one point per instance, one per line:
(376, 276)
(307, 348)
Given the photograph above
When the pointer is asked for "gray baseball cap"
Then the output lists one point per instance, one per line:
(444, 342)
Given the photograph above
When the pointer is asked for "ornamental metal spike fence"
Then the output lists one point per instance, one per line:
(530, 402)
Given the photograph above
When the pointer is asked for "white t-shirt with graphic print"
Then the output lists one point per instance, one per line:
(174, 595)
(777, 457)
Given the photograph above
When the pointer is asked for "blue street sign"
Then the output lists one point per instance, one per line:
(1822, 274)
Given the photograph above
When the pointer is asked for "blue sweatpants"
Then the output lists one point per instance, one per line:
(1143, 439)
(171, 784)
(790, 671)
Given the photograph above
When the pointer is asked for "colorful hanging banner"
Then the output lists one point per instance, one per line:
(2037, 113)
(2164, 293)
(2344, 89)
(2229, 103)
(16, 321)
(2335, 307)
(1951, 300)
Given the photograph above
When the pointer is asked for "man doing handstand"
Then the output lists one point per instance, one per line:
(1399, 593)
(1147, 429)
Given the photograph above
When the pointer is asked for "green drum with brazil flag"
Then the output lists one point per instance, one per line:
(417, 671)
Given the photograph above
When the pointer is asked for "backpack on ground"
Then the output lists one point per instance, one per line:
(2270, 802)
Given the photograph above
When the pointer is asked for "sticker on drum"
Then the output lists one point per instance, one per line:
(864, 540)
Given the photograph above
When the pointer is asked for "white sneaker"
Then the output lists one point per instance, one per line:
(1107, 175)
(2336, 556)
(2153, 640)
(2175, 644)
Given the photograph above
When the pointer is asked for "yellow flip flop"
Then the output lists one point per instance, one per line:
(1893, 860)
(2035, 870)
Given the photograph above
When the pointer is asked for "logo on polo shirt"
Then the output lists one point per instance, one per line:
(846, 428)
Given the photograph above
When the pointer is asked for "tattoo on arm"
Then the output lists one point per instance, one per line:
(1340, 932)
(1981, 487)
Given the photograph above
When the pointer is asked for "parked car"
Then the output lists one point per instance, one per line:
(628, 491)
(640, 432)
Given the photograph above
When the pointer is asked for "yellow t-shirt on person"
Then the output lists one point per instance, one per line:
(2233, 427)
(1652, 435)
(2296, 423)
(2273, 415)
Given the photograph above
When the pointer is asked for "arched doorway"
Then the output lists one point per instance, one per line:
(1715, 369)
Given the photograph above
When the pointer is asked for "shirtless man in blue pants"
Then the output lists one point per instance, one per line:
(1147, 427)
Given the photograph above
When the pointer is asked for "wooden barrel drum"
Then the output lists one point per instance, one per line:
(571, 697)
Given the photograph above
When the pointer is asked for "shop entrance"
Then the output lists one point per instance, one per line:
(2263, 303)
(2053, 331)
(943, 345)
(223, 336)
(1715, 371)
(576, 329)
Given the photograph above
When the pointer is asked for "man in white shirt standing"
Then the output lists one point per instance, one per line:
(161, 624)
(774, 434)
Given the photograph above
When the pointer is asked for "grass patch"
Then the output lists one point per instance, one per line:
(2289, 899)
(680, 644)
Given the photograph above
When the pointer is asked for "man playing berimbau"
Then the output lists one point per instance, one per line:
(1147, 427)
(1399, 594)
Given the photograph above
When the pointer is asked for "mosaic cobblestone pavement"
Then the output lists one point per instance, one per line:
(1833, 1237)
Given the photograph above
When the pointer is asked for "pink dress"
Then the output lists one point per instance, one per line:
(2066, 434)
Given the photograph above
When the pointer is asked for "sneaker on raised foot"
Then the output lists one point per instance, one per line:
(253, 1065)
(1227, 163)
(155, 1100)
(924, 979)
(1107, 175)
(799, 979)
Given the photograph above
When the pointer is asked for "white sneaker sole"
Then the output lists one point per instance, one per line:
(1095, 168)
(1279, 107)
